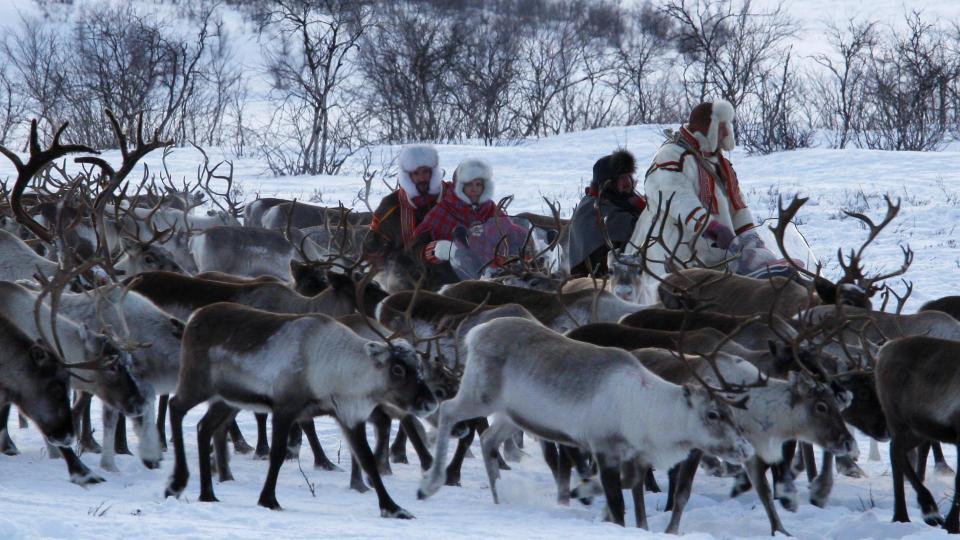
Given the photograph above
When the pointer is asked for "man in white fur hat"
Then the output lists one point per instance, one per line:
(692, 173)
(400, 212)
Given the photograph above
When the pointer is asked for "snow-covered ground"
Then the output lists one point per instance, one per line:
(38, 501)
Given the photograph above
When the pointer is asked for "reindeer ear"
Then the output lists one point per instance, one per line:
(129, 245)
(37, 352)
(687, 395)
(379, 352)
(826, 290)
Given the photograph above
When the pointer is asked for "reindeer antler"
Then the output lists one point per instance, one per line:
(39, 157)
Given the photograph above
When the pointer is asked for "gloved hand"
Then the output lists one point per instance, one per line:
(719, 233)
(439, 251)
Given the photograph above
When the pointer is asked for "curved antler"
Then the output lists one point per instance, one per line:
(39, 158)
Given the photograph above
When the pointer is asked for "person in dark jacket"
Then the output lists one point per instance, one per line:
(401, 212)
(611, 197)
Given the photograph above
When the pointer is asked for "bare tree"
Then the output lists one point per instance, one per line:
(907, 89)
(407, 60)
(841, 86)
(770, 121)
(727, 45)
(309, 71)
(486, 75)
(641, 63)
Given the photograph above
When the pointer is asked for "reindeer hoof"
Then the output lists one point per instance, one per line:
(242, 447)
(86, 479)
(851, 470)
(943, 469)
(109, 466)
(359, 486)
(326, 466)
(421, 496)
(396, 513)
(383, 467)
(208, 497)
(151, 464)
(270, 503)
(400, 458)
(90, 446)
(934, 519)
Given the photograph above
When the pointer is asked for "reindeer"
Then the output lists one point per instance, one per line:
(298, 215)
(254, 210)
(155, 364)
(180, 295)
(551, 386)
(561, 312)
(37, 382)
(916, 381)
(775, 412)
(947, 304)
(251, 251)
(317, 365)
(421, 313)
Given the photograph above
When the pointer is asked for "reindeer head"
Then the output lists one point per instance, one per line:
(110, 368)
(40, 385)
(719, 436)
(817, 404)
(406, 386)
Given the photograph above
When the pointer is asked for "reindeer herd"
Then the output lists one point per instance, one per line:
(128, 291)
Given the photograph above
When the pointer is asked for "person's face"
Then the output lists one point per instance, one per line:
(473, 190)
(421, 178)
(625, 183)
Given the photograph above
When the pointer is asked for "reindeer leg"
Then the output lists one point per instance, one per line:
(161, 420)
(320, 459)
(294, 441)
(681, 484)
(356, 477)
(263, 446)
(809, 460)
(463, 444)
(282, 424)
(564, 470)
(120, 439)
(940, 464)
(923, 451)
(511, 449)
(79, 473)
(221, 450)
(411, 428)
(757, 470)
(501, 430)
(240, 444)
(464, 406)
(179, 405)
(381, 427)
(822, 485)
(357, 435)
(874, 450)
(23, 420)
(81, 412)
(398, 450)
(639, 505)
(218, 414)
(902, 467)
(610, 479)
(848, 467)
(952, 523)
(651, 482)
(110, 423)
(7, 447)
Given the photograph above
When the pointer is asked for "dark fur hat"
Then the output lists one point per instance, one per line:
(610, 167)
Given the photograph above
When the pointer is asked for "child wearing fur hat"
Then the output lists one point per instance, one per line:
(612, 198)
(396, 219)
(467, 204)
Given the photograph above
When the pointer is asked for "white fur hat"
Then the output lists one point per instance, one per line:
(708, 116)
(414, 156)
(471, 169)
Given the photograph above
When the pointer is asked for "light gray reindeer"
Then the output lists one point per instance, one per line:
(251, 251)
(577, 394)
(313, 365)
